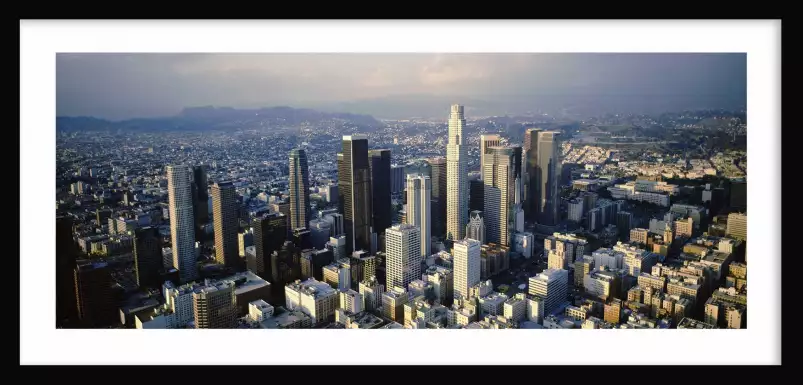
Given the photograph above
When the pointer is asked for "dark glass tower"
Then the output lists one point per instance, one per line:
(147, 257)
(270, 232)
(532, 189)
(476, 200)
(200, 201)
(380, 191)
(285, 268)
(354, 185)
(93, 288)
(438, 174)
(227, 224)
(299, 190)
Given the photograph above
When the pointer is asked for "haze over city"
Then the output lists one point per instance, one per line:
(119, 86)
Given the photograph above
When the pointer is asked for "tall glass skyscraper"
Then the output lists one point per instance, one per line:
(354, 185)
(299, 190)
(182, 221)
(227, 224)
(379, 163)
(501, 175)
(456, 175)
(419, 208)
(542, 176)
(438, 174)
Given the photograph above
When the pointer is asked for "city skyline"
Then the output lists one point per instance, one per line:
(274, 218)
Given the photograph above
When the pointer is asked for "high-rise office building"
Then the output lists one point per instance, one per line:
(313, 261)
(403, 249)
(551, 285)
(476, 227)
(182, 222)
(476, 195)
(419, 213)
(94, 296)
(371, 291)
(379, 164)
(354, 184)
(285, 265)
(244, 240)
(397, 176)
(543, 174)
(66, 254)
(200, 200)
(466, 264)
(299, 189)
(737, 226)
(393, 302)
(549, 167)
(227, 224)
(532, 187)
(215, 306)
(568, 247)
(336, 220)
(442, 280)
(315, 299)
(487, 141)
(270, 233)
(439, 193)
(456, 176)
(502, 176)
(147, 257)
(738, 195)
(624, 222)
(320, 231)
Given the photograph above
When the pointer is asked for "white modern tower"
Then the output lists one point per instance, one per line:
(456, 176)
(419, 214)
(403, 255)
(182, 232)
(486, 141)
(466, 263)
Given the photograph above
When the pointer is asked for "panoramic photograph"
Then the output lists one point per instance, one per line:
(401, 191)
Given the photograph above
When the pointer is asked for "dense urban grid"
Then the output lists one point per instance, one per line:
(286, 218)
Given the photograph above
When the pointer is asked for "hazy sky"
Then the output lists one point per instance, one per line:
(118, 86)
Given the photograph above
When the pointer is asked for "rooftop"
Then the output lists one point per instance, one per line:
(312, 287)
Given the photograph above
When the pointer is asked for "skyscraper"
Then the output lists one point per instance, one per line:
(502, 176)
(438, 175)
(487, 141)
(182, 222)
(270, 232)
(403, 263)
(552, 286)
(215, 306)
(532, 190)
(466, 263)
(380, 191)
(299, 190)
(354, 184)
(419, 213)
(475, 229)
(200, 200)
(93, 292)
(544, 169)
(147, 256)
(227, 223)
(456, 177)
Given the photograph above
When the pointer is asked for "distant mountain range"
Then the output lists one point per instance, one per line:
(213, 118)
